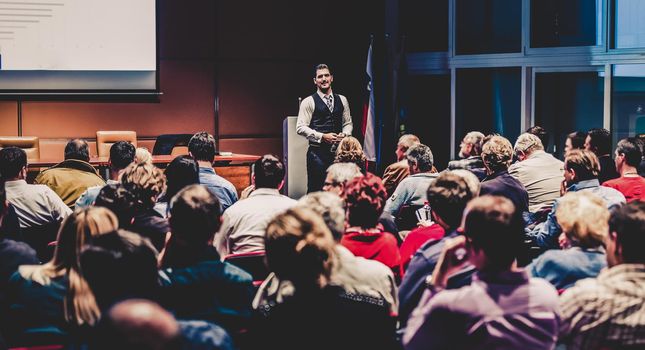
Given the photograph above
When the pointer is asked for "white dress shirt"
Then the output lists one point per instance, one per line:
(35, 205)
(307, 107)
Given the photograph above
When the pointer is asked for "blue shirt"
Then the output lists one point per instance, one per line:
(546, 235)
(222, 188)
(564, 267)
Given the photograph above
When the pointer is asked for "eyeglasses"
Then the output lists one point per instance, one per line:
(333, 183)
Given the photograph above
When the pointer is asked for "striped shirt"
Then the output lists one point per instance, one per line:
(608, 311)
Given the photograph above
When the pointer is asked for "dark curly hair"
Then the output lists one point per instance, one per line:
(448, 196)
(365, 198)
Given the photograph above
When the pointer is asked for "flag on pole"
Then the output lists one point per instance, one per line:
(369, 118)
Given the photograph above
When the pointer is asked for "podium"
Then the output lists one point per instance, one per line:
(294, 148)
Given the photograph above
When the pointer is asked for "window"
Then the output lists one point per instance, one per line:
(488, 26)
(629, 27)
(560, 23)
(628, 101)
(567, 102)
(488, 100)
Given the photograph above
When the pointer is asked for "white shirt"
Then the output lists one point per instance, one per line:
(307, 107)
(244, 223)
(35, 205)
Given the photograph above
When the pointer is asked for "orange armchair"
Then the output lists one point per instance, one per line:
(30, 144)
(105, 140)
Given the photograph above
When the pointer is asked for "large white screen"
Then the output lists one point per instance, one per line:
(78, 45)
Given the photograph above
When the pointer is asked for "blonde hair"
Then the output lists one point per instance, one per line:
(528, 143)
(146, 176)
(350, 151)
(142, 155)
(300, 247)
(584, 218)
(497, 153)
(79, 304)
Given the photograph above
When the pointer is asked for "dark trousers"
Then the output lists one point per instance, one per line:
(318, 160)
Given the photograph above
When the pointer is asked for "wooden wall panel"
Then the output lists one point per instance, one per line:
(8, 118)
(186, 106)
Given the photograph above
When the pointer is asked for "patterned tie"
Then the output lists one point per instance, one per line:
(328, 100)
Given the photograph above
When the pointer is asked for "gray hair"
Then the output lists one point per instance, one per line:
(408, 140)
(527, 143)
(343, 172)
(421, 155)
(330, 207)
(476, 139)
(471, 180)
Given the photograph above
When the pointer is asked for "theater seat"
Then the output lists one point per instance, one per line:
(105, 140)
(30, 144)
(253, 263)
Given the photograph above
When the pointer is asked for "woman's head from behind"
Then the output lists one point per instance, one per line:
(300, 247)
(365, 198)
(181, 172)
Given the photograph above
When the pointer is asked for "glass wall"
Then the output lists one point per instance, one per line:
(628, 23)
(567, 102)
(488, 100)
(559, 23)
(488, 26)
(628, 101)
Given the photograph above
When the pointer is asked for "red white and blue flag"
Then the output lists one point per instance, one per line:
(369, 118)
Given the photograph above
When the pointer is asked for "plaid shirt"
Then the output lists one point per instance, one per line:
(608, 311)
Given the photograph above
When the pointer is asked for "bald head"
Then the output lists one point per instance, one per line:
(139, 324)
(77, 149)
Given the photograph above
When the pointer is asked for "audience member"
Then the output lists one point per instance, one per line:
(121, 200)
(121, 155)
(12, 253)
(139, 324)
(541, 134)
(581, 170)
(318, 315)
(539, 172)
(471, 180)
(142, 156)
(583, 217)
(350, 151)
(244, 223)
(364, 200)
(425, 258)
(182, 171)
(398, 171)
(73, 176)
(608, 312)
(575, 140)
(338, 174)
(35, 205)
(196, 283)
(470, 151)
(598, 141)
(120, 265)
(202, 148)
(413, 189)
(359, 278)
(49, 301)
(628, 157)
(503, 308)
(147, 183)
(447, 197)
(497, 154)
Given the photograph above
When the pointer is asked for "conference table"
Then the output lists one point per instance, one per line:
(236, 168)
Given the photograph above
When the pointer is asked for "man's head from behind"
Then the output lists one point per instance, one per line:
(337, 176)
(541, 133)
(420, 159)
(194, 216)
(580, 165)
(471, 145)
(77, 149)
(497, 154)
(202, 147)
(626, 241)
(121, 200)
(13, 163)
(448, 196)
(330, 207)
(137, 324)
(405, 142)
(598, 141)
(494, 232)
(628, 153)
(121, 155)
(526, 144)
(268, 172)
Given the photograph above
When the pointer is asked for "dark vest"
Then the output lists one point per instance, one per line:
(324, 121)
